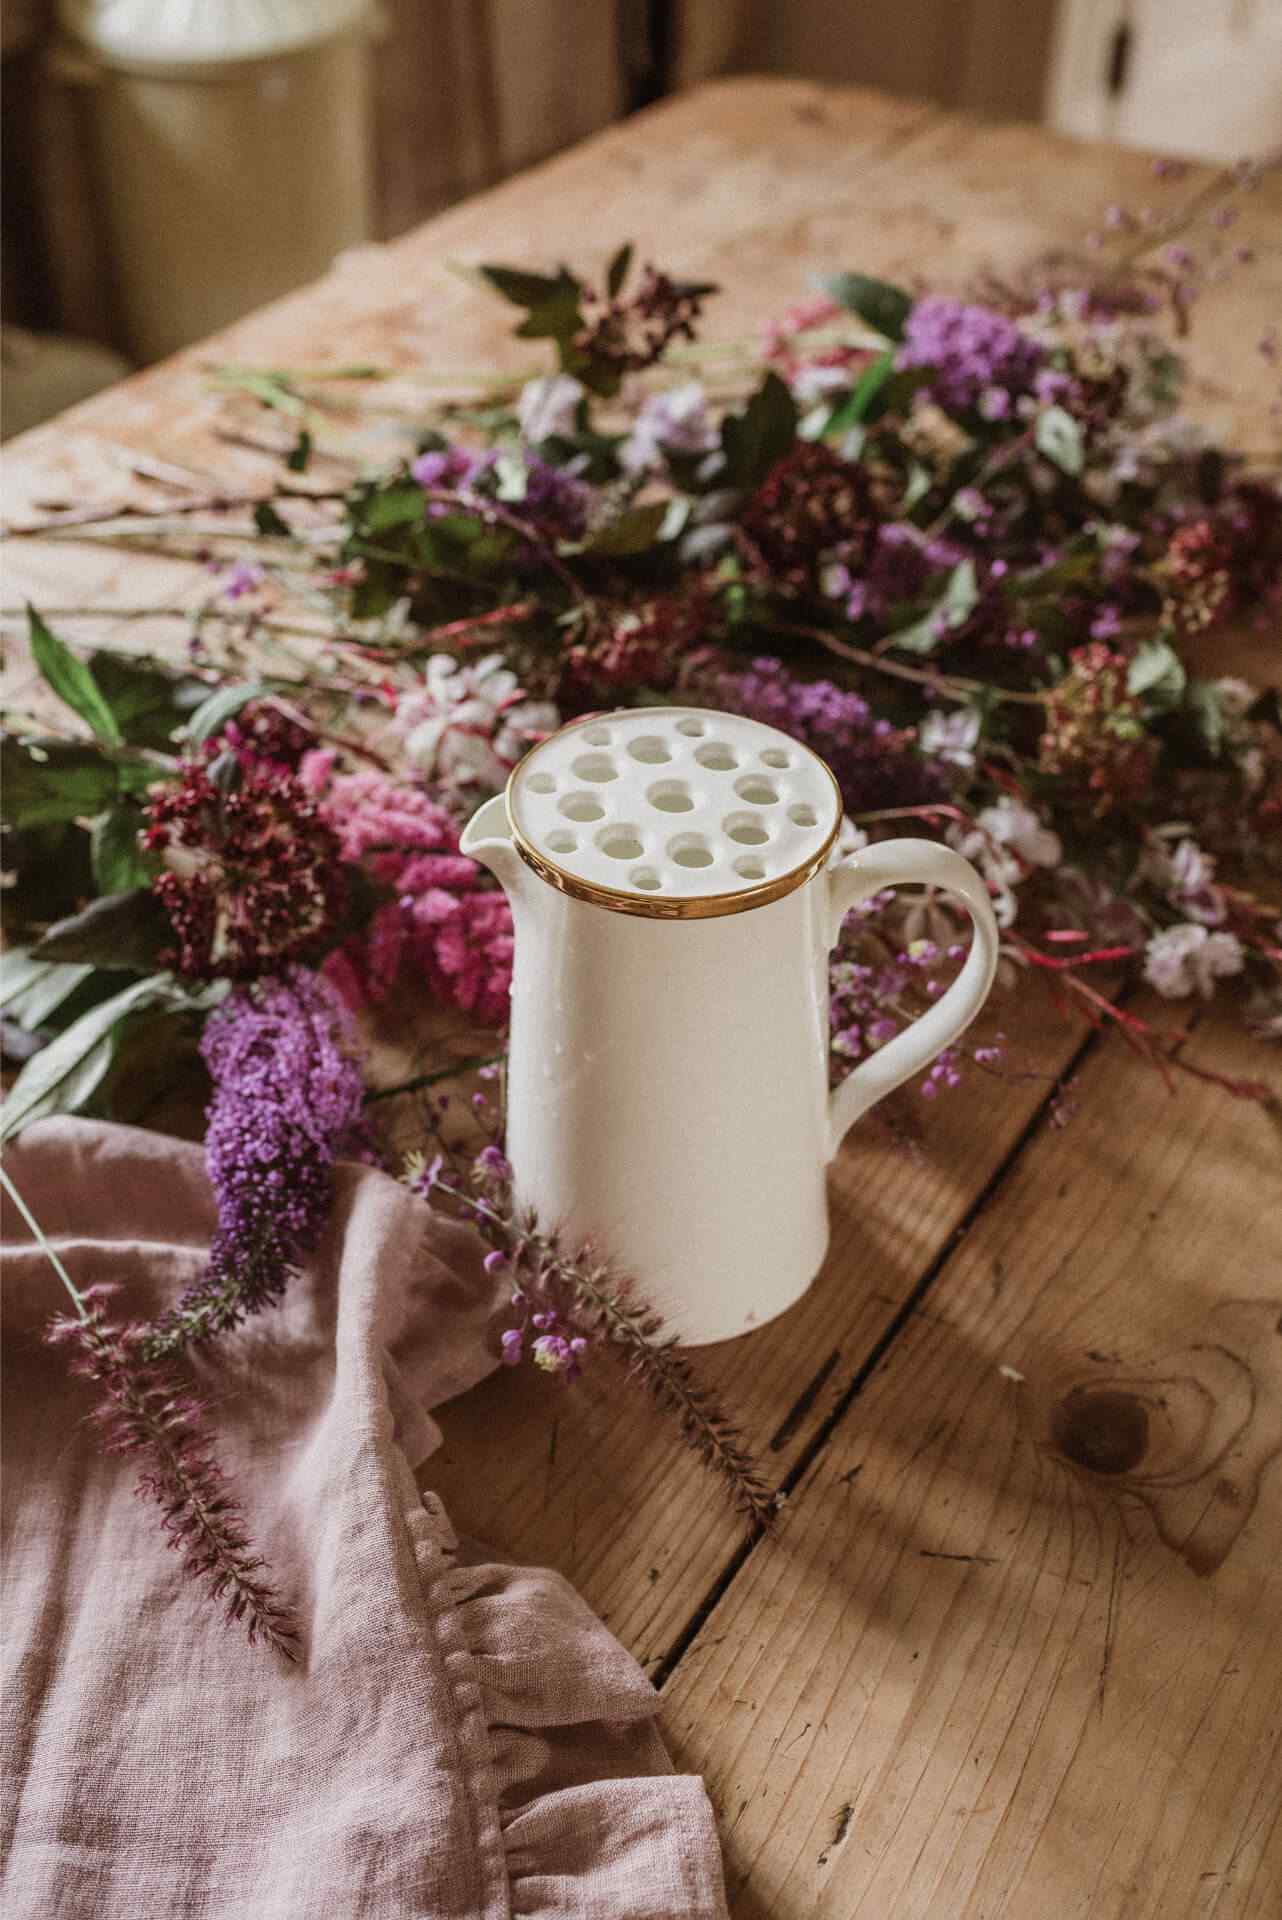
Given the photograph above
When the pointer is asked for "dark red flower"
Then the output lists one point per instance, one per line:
(253, 877)
(637, 644)
(811, 504)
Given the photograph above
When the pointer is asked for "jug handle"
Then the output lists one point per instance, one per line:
(892, 863)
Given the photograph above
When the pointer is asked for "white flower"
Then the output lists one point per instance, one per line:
(1007, 839)
(816, 382)
(547, 407)
(1014, 825)
(951, 736)
(674, 421)
(1187, 877)
(1188, 958)
(1235, 696)
(467, 726)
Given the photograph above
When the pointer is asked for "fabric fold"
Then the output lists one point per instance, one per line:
(461, 1737)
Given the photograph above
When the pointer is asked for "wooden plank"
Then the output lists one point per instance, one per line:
(586, 1481)
(1014, 1650)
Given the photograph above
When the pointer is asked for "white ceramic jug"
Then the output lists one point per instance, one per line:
(675, 901)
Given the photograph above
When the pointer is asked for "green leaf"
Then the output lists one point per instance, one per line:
(271, 524)
(18, 971)
(126, 930)
(1058, 436)
(527, 289)
(71, 680)
(512, 475)
(399, 505)
(617, 272)
(881, 305)
(212, 715)
(63, 1076)
(918, 486)
(1156, 673)
(300, 453)
(857, 405)
(633, 532)
(1206, 709)
(556, 319)
(752, 441)
(50, 780)
(949, 612)
(119, 862)
(30, 996)
(149, 703)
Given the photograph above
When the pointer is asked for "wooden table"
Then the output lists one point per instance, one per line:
(1014, 1648)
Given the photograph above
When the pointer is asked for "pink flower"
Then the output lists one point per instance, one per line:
(448, 920)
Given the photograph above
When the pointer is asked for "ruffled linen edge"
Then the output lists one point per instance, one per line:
(577, 1810)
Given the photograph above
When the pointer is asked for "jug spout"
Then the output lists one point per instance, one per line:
(487, 837)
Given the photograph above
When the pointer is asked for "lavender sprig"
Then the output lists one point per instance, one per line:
(577, 1300)
(143, 1410)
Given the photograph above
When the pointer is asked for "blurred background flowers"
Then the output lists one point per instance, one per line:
(169, 167)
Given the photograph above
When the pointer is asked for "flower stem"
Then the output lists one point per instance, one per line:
(422, 1080)
(38, 1234)
(945, 686)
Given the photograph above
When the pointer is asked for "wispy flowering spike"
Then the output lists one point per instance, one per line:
(144, 1411)
(567, 1304)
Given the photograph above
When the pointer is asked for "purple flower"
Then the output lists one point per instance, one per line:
(875, 764)
(971, 352)
(243, 577)
(286, 1103)
(453, 467)
(554, 502)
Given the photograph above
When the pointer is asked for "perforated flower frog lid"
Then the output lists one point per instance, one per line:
(673, 812)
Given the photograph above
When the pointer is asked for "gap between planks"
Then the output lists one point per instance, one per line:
(899, 1320)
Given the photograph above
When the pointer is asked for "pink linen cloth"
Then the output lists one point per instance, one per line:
(460, 1737)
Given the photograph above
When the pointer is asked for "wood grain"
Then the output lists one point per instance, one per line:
(1010, 1651)
(1014, 1650)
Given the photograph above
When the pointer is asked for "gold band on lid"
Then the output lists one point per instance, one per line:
(671, 906)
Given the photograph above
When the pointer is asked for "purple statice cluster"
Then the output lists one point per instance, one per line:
(876, 764)
(900, 567)
(286, 1104)
(978, 359)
